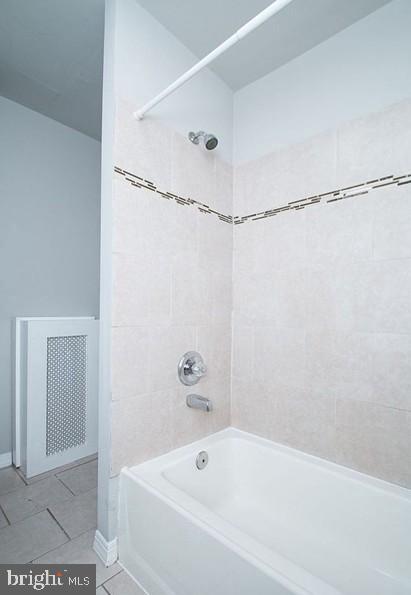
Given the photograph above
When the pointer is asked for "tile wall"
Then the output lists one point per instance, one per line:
(322, 295)
(317, 304)
(172, 271)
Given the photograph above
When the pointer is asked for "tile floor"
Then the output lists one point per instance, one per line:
(52, 519)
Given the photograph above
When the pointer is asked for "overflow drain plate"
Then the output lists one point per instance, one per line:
(202, 460)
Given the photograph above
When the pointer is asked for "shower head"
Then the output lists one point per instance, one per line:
(210, 141)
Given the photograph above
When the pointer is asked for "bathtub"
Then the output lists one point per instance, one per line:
(261, 519)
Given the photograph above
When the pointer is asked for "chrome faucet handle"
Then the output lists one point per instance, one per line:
(191, 368)
(198, 368)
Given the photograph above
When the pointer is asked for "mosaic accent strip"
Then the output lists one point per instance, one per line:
(328, 197)
(294, 205)
(139, 182)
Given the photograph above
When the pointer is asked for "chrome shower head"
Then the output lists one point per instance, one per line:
(210, 141)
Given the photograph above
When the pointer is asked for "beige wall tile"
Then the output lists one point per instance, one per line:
(305, 420)
(375, 440)
(142, 147)
(166, 346)
(224, 187)
(141, 289)
(141, 428)
(191, 294)
(321, 299)
(391, 370)
(339, 232)
(295, 172)
(215, 244)
(280, 356)
(213, 341)
(253, 406)
(375, 146)
(131, 209)
(323, 293)
(340, 364)
(392, 223)
(375, 296)
(283, 242)
(193, 171)
(243, 351)
(129, 358)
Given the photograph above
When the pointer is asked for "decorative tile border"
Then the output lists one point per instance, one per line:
(295, 205)
(328, 197)
(139, 182)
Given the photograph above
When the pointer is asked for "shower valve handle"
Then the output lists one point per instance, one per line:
(198, 369)
(191, 368)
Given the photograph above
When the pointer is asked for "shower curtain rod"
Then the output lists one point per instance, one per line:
(255, 22)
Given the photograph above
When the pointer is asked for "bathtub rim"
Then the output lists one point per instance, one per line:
(156, 466)
(150, 476)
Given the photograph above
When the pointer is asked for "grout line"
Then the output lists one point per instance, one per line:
(66, 486)
(21, 475)
(5, 515)
(95, 458)
(61, 544)
(61, 527)
(109, 579)
(49, 552)
(54, 472)
(375, 403)
(87, 491)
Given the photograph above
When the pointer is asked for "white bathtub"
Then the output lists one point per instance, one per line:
(261, 519)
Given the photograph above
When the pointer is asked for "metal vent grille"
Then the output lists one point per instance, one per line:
(66, 393)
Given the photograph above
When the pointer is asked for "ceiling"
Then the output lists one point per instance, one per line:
(51, 51)
(303, 24)
(51, 56)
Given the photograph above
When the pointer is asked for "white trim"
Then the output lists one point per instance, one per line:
(5, 460)
(105, 550)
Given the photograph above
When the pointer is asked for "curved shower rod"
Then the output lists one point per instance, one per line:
(255, 22)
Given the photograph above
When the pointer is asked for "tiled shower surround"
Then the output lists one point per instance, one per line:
(319, 327)
(322, 297)
(171, 290)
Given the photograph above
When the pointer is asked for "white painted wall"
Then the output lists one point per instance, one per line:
(49, 228)
(148, 58)
(363, 69)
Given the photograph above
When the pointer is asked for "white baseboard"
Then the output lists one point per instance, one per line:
(105, 550)
(5, 460)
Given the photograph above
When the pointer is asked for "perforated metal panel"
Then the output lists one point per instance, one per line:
(66, 393)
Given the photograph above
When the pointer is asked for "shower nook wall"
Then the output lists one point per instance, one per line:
(322, 269)
(322, 287)
(171, 251)
(172, 246)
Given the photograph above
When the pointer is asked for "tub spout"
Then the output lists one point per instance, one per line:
(198, 402)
